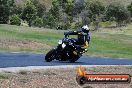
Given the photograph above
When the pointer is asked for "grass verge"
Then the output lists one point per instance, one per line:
(105, 43)
(4, 75)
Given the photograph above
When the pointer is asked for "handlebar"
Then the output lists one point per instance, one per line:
(66, 37)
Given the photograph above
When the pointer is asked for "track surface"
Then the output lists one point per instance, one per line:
(28, 59)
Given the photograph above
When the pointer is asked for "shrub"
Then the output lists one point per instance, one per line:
(40, 7)
(78, 25)
(29, 12)
(96, 11)
(4, 75)
(130, 8)
(49, 21)
(64, 26)
(118, 12)
(106, 23)
(67, 26)
(15, 20)
(38, 22)
(5, 7)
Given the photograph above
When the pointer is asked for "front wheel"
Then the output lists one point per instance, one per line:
(50, 55)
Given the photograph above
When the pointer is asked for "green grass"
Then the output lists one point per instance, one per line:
(105, 43)
(111, 45)
(44, 36)
(4, 75)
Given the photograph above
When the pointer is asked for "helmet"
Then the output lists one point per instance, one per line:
(85, 28)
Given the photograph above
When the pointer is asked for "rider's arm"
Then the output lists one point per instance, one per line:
(87, 40)
(73, 33)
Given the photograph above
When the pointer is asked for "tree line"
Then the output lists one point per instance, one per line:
(64, 14)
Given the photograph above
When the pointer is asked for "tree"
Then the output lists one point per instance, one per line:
(29, 12)
(95, 12)
(69, 8)
(49, 21)
(12, 5)
(17, 9)
(78, 6)
(5, 9)
(118, 12)
(130, 8)
(41, 9)
(38, 22)
(55, 10)
(53, 17)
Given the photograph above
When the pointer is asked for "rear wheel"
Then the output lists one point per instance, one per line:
(50, 55)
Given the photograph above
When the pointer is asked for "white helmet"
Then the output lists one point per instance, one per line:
(86, 27)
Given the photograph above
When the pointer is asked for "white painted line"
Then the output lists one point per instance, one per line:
(16, 52)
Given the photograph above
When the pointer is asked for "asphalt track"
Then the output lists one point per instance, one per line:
(8, 59)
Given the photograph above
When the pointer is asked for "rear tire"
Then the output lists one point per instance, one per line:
(50, 55)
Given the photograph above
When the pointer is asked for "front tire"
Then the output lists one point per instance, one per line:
(50, 55)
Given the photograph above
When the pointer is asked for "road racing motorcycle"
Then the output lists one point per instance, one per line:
(65, 51)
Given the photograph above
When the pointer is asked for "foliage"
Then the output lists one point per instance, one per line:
(96, 8)
(118, 12)
(95, 11)
(78, 25)
(130, 8)
(4, 75)
(16, 9)
(65, 13)
(52, 17)
(85, 17)
(5, 9)
(79, 6)
(69, 8)
(38, 22)
(67, 26)
(15, 20)
(29, 12)
(107, 24)
(41, 9)
(49, 21)
(54, 11)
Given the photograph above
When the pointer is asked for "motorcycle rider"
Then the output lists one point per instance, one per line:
(83, 40)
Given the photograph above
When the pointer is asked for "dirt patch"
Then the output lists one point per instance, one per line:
(62, 78)
(22, 44)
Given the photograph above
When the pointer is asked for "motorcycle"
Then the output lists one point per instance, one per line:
(65, 51)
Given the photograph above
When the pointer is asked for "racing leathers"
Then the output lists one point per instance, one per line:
(83, 39)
